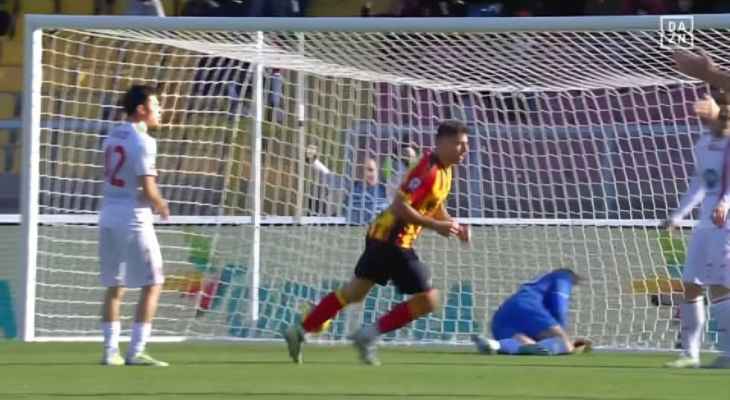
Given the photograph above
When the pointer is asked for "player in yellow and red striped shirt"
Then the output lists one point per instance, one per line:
(389, 256)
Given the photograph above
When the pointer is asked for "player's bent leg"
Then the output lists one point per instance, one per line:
(295, 335)
(356, 290)
(510, 345)
(418, 305)
(423, 303)
(517, 344)
(552, 341)
(692, 318)
(365, 339)
(720, 296)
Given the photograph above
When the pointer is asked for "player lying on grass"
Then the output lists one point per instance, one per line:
(533, 320)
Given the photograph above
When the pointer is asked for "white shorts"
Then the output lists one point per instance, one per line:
(130, 256)
(708, 257)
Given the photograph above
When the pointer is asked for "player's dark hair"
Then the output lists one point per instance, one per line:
(576, 278)
(135, 96)
(450, 128)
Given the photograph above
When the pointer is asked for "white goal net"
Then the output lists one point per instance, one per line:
(580, 144)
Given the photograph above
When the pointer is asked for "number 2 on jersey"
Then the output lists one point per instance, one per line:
(111, 173)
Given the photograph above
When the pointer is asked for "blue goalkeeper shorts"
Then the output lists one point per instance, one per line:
(521, 314)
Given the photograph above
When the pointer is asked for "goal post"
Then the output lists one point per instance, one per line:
(580, 144)
(29, 181)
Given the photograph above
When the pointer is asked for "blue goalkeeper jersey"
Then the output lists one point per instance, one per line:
(552, 290)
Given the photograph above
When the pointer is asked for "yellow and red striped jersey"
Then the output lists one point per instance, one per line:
(425, 188)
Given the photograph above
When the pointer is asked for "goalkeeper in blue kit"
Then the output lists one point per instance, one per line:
(532, 321)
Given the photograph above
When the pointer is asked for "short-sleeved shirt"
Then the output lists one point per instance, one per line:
(425, 188)
(129, 152)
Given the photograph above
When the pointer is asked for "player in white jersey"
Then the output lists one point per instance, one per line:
(708, 256)
(128, 248)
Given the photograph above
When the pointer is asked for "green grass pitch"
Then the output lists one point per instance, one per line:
(263, 371)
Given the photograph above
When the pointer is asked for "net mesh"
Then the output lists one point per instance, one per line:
(580, 142)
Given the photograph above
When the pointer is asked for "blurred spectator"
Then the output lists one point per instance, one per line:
(644, 7)
(235, 8)
(721, 6)
(200, 8)
(262, 8)
(368, 196)
(144, 7)
(321, 179)
(603, 7)
(431, 8)
(682, 7)
(410, 8)
(223, 77)
(487, 9)
(559, 7)
(4, 22)
(245, 8)
(403, 157)
(365, 196)
(367, 9)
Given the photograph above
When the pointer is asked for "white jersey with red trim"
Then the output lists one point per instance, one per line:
(706, 185)
(129, 153)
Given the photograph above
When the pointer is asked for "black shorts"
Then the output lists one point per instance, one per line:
(382, 262)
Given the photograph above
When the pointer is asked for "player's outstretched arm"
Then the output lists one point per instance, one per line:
(702, 67)
(408, 214)
(311, 156)
(152, 194)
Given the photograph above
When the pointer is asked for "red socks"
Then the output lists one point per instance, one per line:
(327, 308)
(398, 317)
(331, 304)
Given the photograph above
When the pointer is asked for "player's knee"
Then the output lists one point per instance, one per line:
(426, 302)
(434, 300)
(353, 297)
(355, 291)
(151, 291)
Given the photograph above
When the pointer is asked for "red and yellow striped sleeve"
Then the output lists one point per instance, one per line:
(419, 181)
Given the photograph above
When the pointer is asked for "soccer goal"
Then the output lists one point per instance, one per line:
(581, 137)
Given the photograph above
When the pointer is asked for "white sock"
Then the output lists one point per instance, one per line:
(692, 318)
(140, 334)
(371, 332)
(111, 331)
(721, 311)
